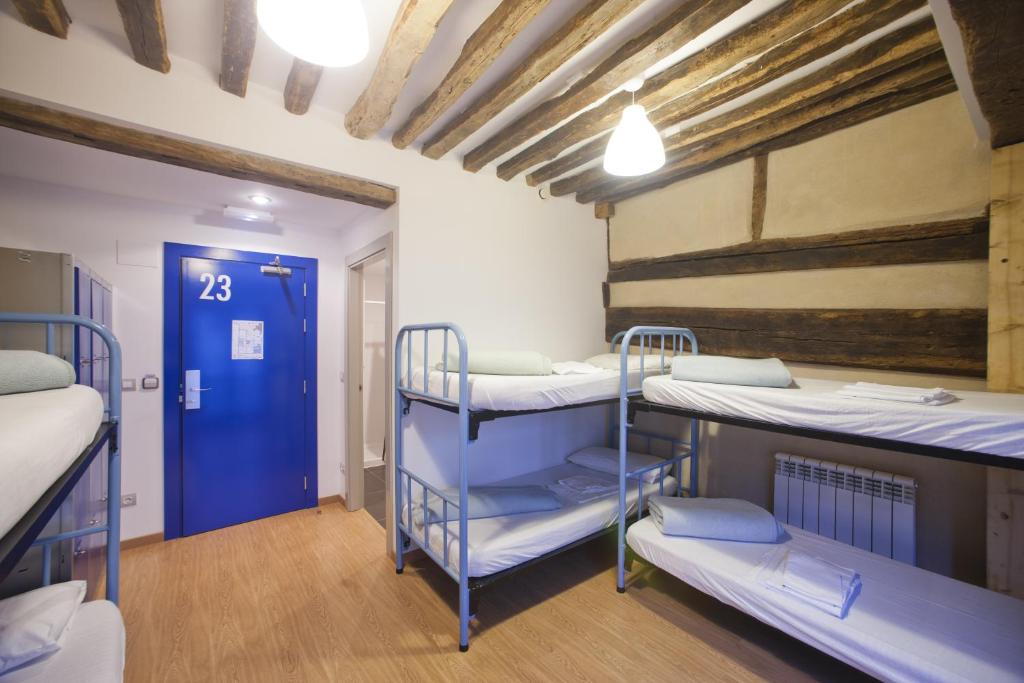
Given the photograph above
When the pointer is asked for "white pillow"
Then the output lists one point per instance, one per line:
(32, 623)
(613, 361)
(603, 459)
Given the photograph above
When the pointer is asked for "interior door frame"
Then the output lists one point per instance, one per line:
(354, 455)
(174, 254)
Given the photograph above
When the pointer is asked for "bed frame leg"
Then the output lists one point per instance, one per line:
(464, 608)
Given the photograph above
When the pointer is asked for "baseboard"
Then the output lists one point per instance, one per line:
(139, 541)
(327, 500)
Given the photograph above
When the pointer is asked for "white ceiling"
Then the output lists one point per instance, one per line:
(203, 195)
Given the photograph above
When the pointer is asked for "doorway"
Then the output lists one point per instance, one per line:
(368, 367)
(240, 397)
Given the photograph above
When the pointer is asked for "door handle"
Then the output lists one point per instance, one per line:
(193, 390)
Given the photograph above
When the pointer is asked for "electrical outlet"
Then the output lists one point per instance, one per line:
(129, 499)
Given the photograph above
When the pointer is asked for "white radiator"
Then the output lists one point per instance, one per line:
(869, 509)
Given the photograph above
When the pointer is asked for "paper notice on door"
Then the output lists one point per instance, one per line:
(246, 340)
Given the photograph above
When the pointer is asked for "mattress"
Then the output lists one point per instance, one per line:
(907, 624)
(981, 422)
(43, 432)
(529, 392)
(92, 650)
(497, 543)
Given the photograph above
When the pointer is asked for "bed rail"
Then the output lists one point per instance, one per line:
(678, 337)
(111, 437)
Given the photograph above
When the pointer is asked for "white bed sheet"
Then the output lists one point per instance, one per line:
(498, 543)
(41, 434)
(907, 624)
(529, 392)
(981, 422)
(92, 650)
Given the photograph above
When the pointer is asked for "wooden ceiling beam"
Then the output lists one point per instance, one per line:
(890, 52)
(815, 43)
(672, 30)
(48, 16)
(993, 37)
(144, 26)
(238, 43)
(478, 53)
(780, 24)
(411, 32)
(587, 24)
(302, 83)
(903, 88)
(111, 137)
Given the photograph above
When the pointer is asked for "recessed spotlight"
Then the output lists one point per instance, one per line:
(260, 199)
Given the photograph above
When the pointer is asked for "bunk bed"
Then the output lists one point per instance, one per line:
(56, 435)
(906, 623)
(433, 520)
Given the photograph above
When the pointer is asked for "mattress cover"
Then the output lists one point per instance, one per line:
(907, 624)
(92, 650)
(497, 543)
(980, 421)
(41, 434)
(529, 392)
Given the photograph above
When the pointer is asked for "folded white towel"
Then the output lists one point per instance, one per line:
(817, 582)
(582, 488)
(889, 392)
(574, 367)
(727, 519)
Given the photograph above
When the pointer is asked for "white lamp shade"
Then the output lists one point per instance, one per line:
(325, 32)
(635, 147)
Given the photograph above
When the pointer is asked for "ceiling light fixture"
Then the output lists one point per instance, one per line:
(325, 32)
(249, 215)
(635, 147)
(260, 199)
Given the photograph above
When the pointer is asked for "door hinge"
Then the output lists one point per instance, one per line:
(304, 385)
(305, 483)
(303, 289)
(303, 326)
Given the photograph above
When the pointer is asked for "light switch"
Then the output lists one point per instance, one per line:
(128, 384)
(150, 382)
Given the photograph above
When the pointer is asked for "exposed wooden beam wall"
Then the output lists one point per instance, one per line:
(411, 32)
(584, 27)
(479, 52)
(48, 16)
(946, 341)
(956, 240)
(144, 26)
(780, 24)
(238, 43)
(60, 125)
(671, 31)
(815, 43)
(993, 37)
(302, 83)
(840, 82)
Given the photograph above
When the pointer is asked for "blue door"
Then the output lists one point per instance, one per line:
(244, 408)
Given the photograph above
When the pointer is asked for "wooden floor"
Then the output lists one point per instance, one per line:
(311, 596)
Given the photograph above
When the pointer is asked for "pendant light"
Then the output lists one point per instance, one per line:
(635, 147)
(324, 32)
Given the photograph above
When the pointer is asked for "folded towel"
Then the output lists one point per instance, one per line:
(819, 583)
(581, 489)
(613, 361)
(753, 372)
(25, 371)
(574, 367)
(502, 363)
(726, 519)
(495, 501)
(889, 392)
(604, 459)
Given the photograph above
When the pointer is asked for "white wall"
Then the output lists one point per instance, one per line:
(514, 270)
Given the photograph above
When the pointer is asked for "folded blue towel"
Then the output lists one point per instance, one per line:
(726, 519)
(25, 371)
(753, 372)
(496, 501)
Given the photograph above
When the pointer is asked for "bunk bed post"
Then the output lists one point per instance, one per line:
(694, 447)
(114, 469)
(399, 404)
(620, 577)
(463, 489)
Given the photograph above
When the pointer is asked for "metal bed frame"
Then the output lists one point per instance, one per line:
(468, 432)
(25, 532)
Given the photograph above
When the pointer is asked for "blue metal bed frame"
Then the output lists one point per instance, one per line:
(24, 534)
(468, 431)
